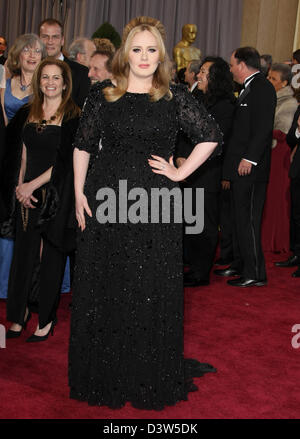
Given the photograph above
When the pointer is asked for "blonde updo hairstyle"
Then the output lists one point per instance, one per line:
(120, 66)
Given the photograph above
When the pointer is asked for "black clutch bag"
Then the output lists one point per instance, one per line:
(40, 195)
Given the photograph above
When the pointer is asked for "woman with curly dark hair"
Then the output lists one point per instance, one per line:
(216, 83)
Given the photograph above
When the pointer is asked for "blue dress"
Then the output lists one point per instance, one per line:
(12, 105)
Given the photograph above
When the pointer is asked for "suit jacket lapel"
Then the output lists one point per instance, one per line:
(247, 89)
(243, 95)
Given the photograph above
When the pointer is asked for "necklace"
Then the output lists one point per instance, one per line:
(24, 214)
(23, 87)
(41, 125)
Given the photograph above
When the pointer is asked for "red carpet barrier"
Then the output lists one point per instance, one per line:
(276, 217)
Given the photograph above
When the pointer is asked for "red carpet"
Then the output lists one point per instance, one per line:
(245, 333)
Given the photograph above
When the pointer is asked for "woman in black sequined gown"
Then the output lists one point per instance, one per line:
(126, 341)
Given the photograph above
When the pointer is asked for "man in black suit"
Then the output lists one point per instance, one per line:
(51, 33)
(247, 166)
(3, 47)
(293, 140)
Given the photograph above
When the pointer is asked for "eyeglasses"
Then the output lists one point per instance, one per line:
(27, 50)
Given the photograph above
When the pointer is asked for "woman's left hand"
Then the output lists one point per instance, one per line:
(161, 166)
(24, 194)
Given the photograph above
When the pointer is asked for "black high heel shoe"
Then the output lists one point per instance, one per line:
(36, 338)
(15, 334)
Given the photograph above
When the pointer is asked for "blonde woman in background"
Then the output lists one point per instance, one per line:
(23, 58)
(276, 217)
(280, 76)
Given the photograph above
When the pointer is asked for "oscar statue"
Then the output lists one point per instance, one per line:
(184, 52)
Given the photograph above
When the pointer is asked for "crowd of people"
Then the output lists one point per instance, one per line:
(72, 124)
(223, 214)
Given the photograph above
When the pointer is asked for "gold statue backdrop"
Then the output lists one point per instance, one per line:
(184, 52)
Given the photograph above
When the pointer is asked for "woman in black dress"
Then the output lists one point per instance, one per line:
(40, 196)
(220, 102)
(126, 339)
(215, 84)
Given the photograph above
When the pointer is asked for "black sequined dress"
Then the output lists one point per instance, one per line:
(126, 340)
